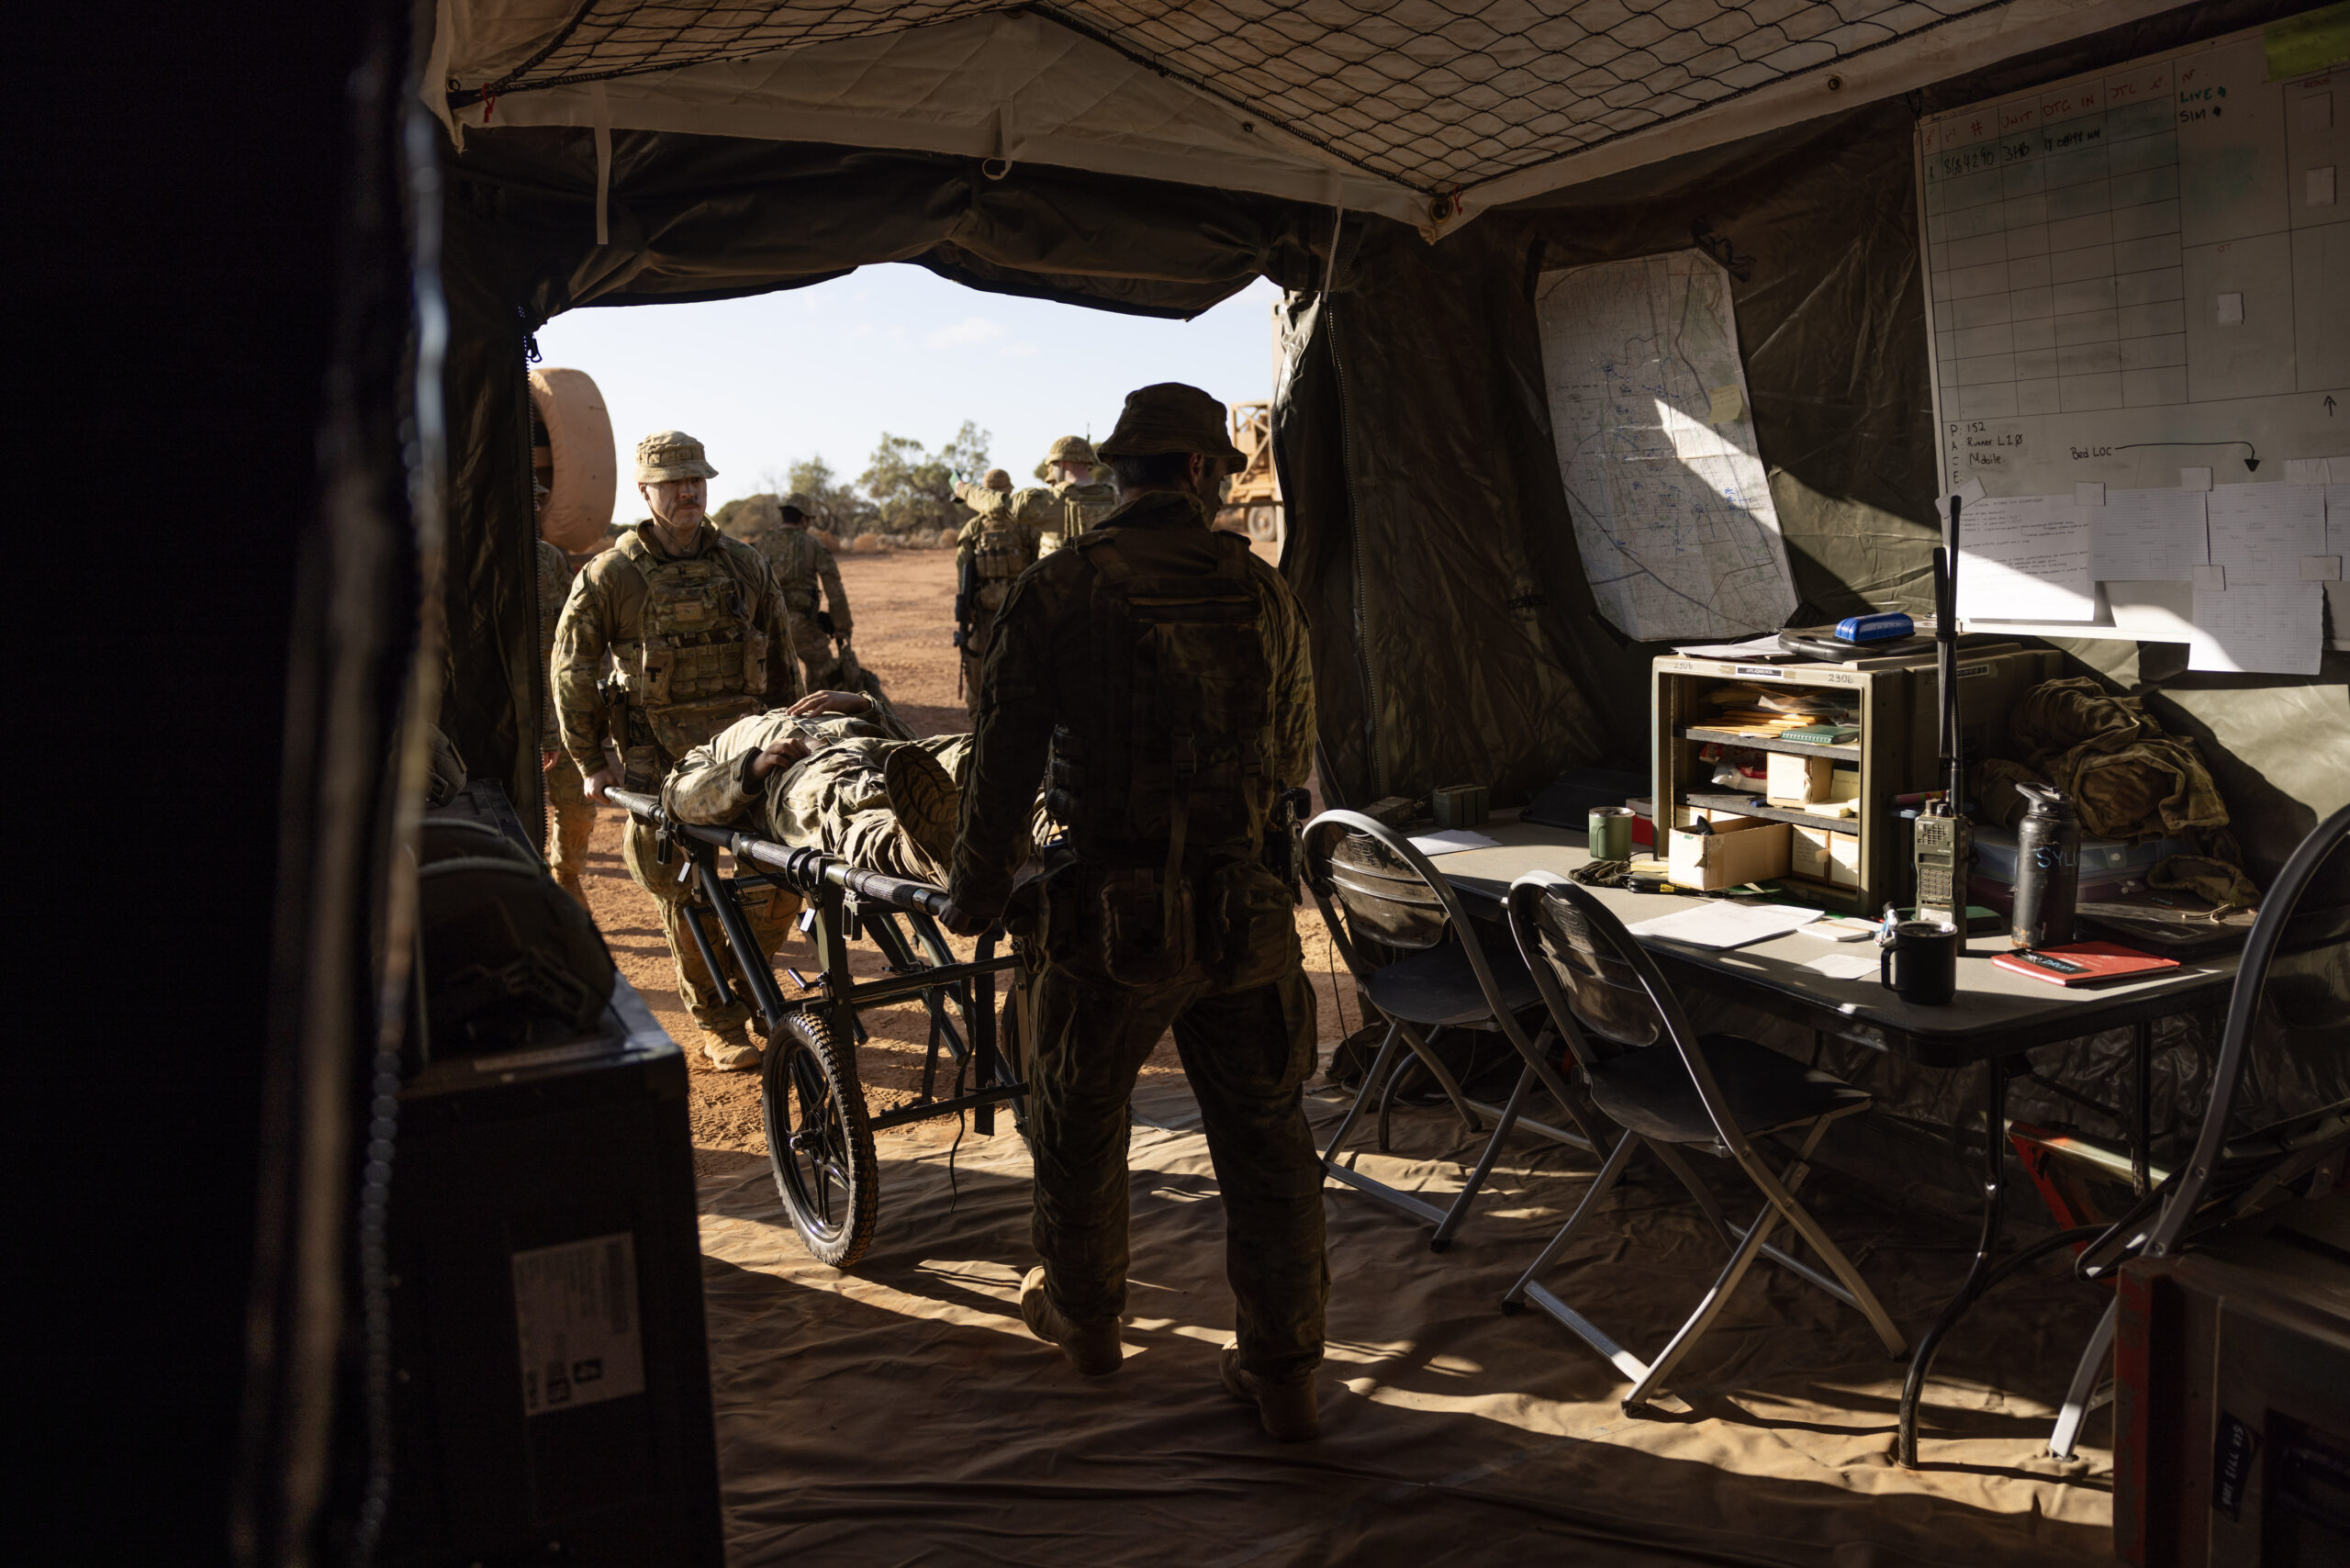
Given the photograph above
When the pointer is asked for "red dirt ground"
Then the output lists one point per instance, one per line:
(903, 603)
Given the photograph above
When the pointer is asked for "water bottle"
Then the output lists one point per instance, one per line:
(2047, 869)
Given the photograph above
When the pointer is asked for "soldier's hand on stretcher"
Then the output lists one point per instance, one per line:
(849, 703)
(962, 922)
(778, 754)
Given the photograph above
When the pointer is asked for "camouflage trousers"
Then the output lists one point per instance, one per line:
(838, 803)
(1246, 1054)
(571, 821)
(818, 658)
(769, 911)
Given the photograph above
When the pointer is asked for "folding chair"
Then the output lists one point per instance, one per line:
(1375, 888)
(1671, 1090)
(2224, 1177)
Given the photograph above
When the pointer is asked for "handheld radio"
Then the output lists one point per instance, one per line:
(1942, 851)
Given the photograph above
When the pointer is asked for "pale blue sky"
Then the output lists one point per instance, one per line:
(824, 371)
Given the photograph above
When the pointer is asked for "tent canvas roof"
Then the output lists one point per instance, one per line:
(1424, 110)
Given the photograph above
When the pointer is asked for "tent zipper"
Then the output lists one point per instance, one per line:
(1354, 550)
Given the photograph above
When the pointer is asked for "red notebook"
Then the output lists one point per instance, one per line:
(2082, 963)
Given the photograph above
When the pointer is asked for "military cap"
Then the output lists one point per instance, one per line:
(997, 479)
(671, 454)
(791, 511)
(1172, 417)
(1070, 449)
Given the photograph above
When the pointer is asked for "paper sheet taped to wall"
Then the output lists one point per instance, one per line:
(2025, 558)
(2148, 536)
(2259, 532)
(2264, 628)
(1656, 446)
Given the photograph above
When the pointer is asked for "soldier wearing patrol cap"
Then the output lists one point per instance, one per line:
(1161, 670)
(698, 638)
(801, 567)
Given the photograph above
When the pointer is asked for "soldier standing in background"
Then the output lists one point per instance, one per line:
(1069, 502)
(1164, 670)
(993, 548)
(800, 564)
(571, 815)
(698, 638)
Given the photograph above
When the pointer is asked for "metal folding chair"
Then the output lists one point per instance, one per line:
(2224, 1177)
(1671, 1090)
(1377, 892)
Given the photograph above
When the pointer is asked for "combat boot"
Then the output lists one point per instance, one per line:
(928, 806)
(1286, 1410)
(1093, 1349)
(730, 1049)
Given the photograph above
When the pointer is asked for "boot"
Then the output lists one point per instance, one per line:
(928, 806)
(1093, 1348)
(730, 1049)
(1286, 1410)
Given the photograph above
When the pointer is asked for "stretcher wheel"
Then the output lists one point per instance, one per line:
(819, 1141)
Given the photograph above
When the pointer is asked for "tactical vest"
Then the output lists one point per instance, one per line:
(791, 554)
(999, 555)
(701, 664)
(1171, 748)
(1082, 507)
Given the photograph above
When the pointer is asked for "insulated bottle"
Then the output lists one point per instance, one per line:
(2047, 869)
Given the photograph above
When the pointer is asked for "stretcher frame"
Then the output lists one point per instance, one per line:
(811, 1104)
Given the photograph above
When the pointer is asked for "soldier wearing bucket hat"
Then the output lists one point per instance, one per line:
(1156, 674)
(1069, 502)
(698, 637)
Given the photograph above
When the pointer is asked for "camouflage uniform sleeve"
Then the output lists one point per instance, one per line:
(582, 636)
(707, 786)
(1040, 509)
(1289, 650)
(835, 597)
(773, 618)
(554, 573)
(1008, 745)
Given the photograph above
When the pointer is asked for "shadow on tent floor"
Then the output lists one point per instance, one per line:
(903, 1415)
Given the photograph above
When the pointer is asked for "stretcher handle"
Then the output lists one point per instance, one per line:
(803, 869)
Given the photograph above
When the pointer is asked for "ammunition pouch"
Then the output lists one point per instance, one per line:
(1142, 927)
(1249, 929)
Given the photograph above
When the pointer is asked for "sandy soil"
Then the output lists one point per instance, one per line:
(904, 605)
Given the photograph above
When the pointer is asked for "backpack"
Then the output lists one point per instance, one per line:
(1164, 775)
(507, 957)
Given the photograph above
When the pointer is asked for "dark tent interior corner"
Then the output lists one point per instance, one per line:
(348, 1264)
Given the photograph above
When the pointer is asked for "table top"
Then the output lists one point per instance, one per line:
(1997, 1011)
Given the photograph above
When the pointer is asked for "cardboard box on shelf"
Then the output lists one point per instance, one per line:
(1824, 857)
(1797, 780)
(1739, 850)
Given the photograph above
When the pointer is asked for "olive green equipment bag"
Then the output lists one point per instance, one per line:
(507, 957)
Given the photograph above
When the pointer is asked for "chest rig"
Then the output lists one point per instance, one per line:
(698, 663)
(791, 556)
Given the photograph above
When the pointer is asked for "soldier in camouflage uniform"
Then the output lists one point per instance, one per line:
(1163, 670)
(800, 564)
(571, 815)
(1069, 502)
(698, 638)
(993, 548)
(819, 774)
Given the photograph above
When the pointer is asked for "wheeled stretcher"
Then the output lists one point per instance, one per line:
(819, 1133)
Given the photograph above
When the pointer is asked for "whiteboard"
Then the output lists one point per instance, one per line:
(2137, 274)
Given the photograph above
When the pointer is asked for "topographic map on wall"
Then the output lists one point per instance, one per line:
(1648, 410)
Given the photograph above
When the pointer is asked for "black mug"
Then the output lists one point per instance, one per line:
(1919, 962)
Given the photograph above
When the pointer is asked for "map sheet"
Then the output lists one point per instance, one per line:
(1656, 445)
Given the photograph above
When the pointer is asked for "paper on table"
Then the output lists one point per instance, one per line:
(2148, 536)
(1845, 965)
(2259, 532)
(2268, 628)
(1719, 924)
(1451, 841)
(2025, 558)
(1754, 646)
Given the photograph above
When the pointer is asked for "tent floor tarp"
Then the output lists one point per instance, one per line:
(902, 1414)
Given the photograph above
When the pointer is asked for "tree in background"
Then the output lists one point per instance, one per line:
(913, 489)
(833, 504)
